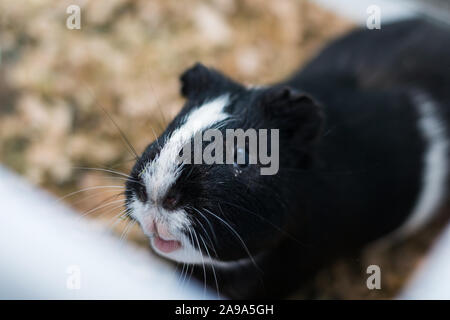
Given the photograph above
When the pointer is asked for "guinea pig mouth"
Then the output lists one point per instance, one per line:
(163, 240)
(166, 246)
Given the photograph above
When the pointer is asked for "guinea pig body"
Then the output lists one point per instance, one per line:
(363, 153)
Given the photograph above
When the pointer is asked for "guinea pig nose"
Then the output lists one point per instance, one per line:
(170, 202)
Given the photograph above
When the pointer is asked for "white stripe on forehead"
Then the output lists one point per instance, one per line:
(164, 170)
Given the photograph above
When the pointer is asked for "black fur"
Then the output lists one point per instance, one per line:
(350, 157)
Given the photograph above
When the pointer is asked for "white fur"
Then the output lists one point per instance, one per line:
(435, 164)
(159, 175)
(147, 213)
(164, 170)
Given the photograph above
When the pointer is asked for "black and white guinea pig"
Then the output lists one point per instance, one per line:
(363, 147)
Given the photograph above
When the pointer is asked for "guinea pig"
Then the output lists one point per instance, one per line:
(363, 153)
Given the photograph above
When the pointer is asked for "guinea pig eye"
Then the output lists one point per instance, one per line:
(241, 153)
(141, 192)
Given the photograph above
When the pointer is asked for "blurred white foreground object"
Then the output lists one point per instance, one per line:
(48, 252)
(432, 280)
(359, 11)
(356, 10)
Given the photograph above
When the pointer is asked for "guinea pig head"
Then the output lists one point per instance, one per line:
(204, 212)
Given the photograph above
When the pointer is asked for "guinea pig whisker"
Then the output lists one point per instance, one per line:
(192, 267)
(105, 170)
(101, 207)
(117, 218)
(109, 210)
(190, 172)
(206, 234)
(236, 234)
(96, 194)
(183, 279)
(203, 263)
(125, 140)
(181, 275)
(225, 122)
(127, 143)
(88, 189)
(209, 224)
(212, 265)
(191, 237)
(121, 163)
(267, 221)
(189, 269)
(156, 138)
(159, 107)
(127, 230)
(121, 178)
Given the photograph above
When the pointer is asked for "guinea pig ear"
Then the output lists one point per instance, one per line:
(199, 81)
(295, 113)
